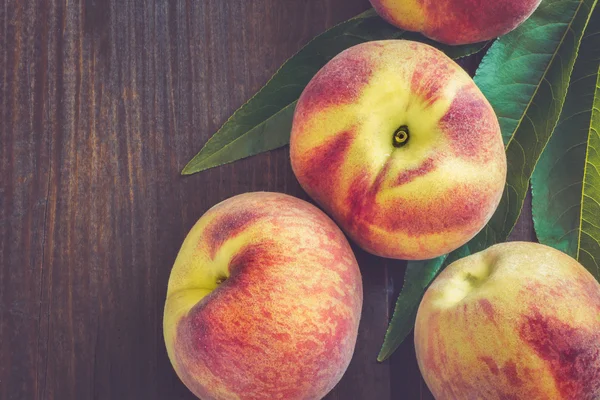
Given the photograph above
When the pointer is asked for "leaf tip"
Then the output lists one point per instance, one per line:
(187, 170)
(192, 167)
(388, 347)
(382, 356)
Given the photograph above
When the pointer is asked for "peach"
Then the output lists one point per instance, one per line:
(516, 321)
(457, 21)
(396, 142)
(263, 301)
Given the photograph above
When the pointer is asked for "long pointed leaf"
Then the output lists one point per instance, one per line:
(264, 122)
(525, 76)
(417, 277)
(566, 181)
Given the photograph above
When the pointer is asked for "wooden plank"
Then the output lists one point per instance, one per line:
(25, 150)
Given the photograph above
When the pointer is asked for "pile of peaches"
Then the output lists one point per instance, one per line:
(398, 145)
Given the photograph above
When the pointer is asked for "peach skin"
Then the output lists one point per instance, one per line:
(263, 301)
(396, 142)
(517, 321)
(457, 21)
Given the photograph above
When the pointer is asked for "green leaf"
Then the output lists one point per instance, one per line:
(417, 277)
(534, 120)
(566, 181)
(525, 76)
(264, 122)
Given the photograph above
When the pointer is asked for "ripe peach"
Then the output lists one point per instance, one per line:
(263, 301)
(517, 321)
(397, 143)
(457, 21)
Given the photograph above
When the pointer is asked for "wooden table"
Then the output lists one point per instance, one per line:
(101, 105)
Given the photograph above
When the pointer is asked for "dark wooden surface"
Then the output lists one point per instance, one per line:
(101, 105)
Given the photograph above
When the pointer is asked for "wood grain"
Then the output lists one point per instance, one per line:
(102, 103)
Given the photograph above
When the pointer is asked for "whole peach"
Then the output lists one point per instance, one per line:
(457, 21)
(263, 301)
(517, 321)
(396, 142)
